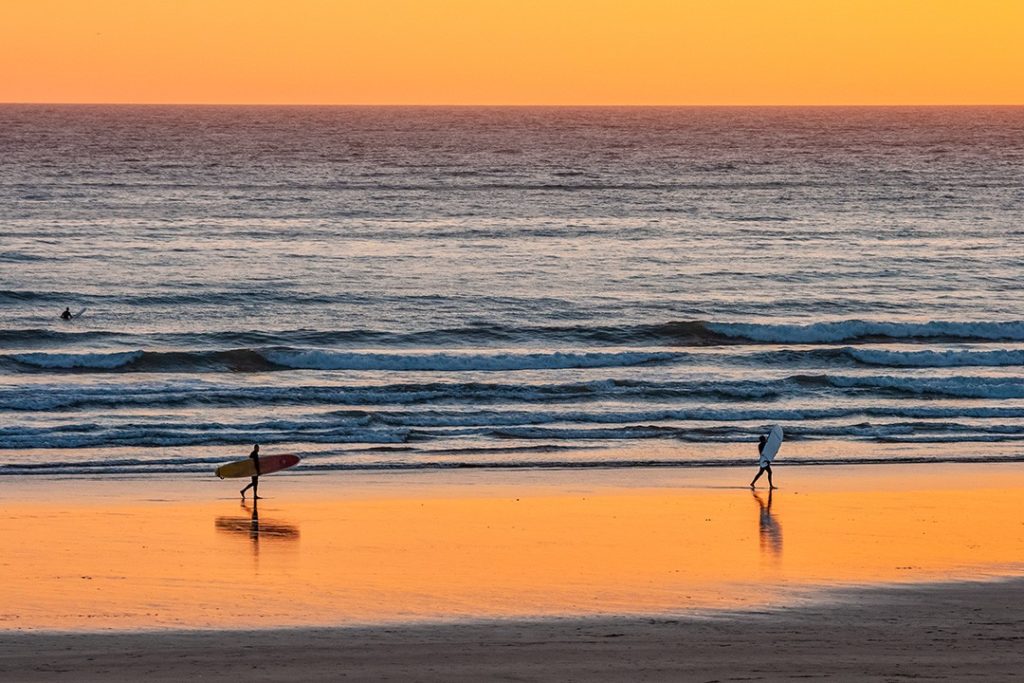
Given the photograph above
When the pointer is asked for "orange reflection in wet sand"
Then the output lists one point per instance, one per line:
(335, 550)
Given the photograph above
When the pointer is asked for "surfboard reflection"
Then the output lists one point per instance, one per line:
(255, 528)
(770, 531)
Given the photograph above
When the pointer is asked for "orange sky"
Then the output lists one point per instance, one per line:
(513, 51)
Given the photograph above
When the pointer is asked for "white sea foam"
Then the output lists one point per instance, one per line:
(935, 359)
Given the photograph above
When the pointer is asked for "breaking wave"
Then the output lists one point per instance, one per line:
(673, 333)
(935, 359)
(266, 360)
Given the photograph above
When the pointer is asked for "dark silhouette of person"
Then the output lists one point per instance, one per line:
(254, 522)
(764, 464)
(254, 484)
(66, 315)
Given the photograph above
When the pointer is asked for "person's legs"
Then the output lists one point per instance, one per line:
(256, 486)
(769, 470)
(758, 476)
(250, 485)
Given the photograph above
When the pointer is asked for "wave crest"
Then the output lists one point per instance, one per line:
(265, 360)
(671, 333)
(842, 331)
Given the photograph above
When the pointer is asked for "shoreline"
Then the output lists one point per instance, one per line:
(928, 632)
(198, 463)
(328, 483)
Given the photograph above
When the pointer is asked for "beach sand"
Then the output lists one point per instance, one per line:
(956, 632)
(875, 571)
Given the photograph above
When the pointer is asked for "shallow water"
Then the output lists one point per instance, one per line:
(370, 548)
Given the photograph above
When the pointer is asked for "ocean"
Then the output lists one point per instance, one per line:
(407, 288)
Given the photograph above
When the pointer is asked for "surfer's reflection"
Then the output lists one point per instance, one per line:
(254, 528)
(770, 530)
(254, 522)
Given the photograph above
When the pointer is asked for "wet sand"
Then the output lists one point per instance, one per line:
(953, 632)
(661, 573)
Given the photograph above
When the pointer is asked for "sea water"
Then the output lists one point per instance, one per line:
(519, 287)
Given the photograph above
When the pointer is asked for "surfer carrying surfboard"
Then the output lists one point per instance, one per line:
(255, 466)
(767, 447)
(254, 484)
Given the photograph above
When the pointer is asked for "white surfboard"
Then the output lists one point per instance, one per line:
(771, 447)
(76, 315)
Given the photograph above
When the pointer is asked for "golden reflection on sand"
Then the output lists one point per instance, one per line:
(769, 528)
(251, 526)
(476, 548)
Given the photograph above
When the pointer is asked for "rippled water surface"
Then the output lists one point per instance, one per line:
(422, 287)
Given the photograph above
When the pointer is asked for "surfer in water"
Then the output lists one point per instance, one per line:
(764, 463)
(254, 484)
(66, 315)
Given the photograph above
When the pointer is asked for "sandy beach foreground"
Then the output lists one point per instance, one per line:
(858, 571)
(949, 632)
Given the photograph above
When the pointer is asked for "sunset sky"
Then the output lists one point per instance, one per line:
(513, 51)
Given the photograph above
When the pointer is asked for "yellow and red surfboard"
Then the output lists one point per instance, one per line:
(246, 468)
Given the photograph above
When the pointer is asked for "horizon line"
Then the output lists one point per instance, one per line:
(519, 105)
